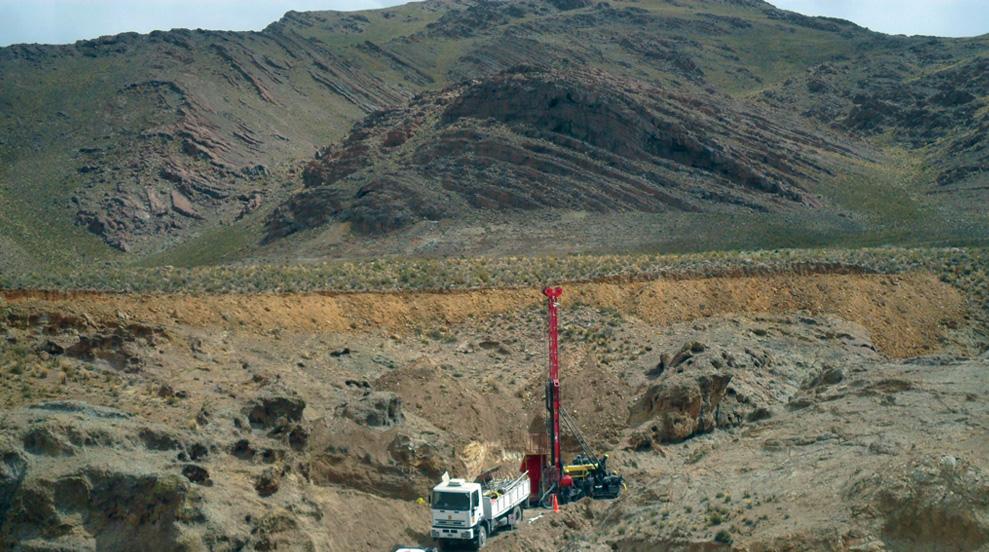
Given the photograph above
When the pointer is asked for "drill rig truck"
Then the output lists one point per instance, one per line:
(468, 512)
(550, 478)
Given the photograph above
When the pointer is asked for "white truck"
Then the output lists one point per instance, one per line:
(466, 513)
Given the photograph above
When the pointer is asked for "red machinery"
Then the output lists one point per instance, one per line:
(553, 385)
(548, 475)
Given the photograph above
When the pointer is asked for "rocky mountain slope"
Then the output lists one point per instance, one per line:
(528, 139)
(180, 146)
(136, 138)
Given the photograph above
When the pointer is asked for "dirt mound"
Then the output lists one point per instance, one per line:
(593, 394)
(467, 411)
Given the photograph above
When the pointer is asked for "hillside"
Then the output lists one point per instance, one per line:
(765, 406)
(528, 140)
(716, 124)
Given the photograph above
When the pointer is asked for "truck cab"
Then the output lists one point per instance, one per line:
(457, 510)
(469, 512)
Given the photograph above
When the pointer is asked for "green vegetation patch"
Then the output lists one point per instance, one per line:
(967, 268)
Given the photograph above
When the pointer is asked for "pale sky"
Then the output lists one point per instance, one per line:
(909, 17)
(65, 21)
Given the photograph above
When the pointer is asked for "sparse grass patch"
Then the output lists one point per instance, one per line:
(956, 265)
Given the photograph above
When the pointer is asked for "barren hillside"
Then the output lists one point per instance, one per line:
(189, 147)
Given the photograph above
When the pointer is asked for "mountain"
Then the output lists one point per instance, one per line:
(530, 139)
(623, 125)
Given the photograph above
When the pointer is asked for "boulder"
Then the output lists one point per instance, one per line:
(268, 482)
(274, 409)
(829, 376)
(374, 409)
(681, 405)
(156, 204)
(116, 350)
(197, 474)
(182, 205)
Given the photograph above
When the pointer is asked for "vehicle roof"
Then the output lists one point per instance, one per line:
(457, 486)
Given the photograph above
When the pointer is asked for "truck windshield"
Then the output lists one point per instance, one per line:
(451, 501)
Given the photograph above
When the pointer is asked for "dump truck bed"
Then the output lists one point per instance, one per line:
(503, 497)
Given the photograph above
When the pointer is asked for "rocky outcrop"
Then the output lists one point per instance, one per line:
(530, 139)
(275, 408)
(182, 205)
(681, 406)
(700, 388)
(943, 108)
(80, 477)
(374, 409)
(115, 345)
(187, 166)
(396, 463)
(928, 503)
(186, 145)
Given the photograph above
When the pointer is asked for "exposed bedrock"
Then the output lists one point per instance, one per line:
(531, 139)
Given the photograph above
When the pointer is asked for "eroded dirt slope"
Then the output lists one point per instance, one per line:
(903, 312)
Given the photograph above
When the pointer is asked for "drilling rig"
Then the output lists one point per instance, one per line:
(549, 475)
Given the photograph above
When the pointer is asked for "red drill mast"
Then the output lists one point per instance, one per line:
(547, 475)
(553, 385)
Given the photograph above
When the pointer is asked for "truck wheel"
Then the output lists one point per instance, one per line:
(515, 518)
(482, 536)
